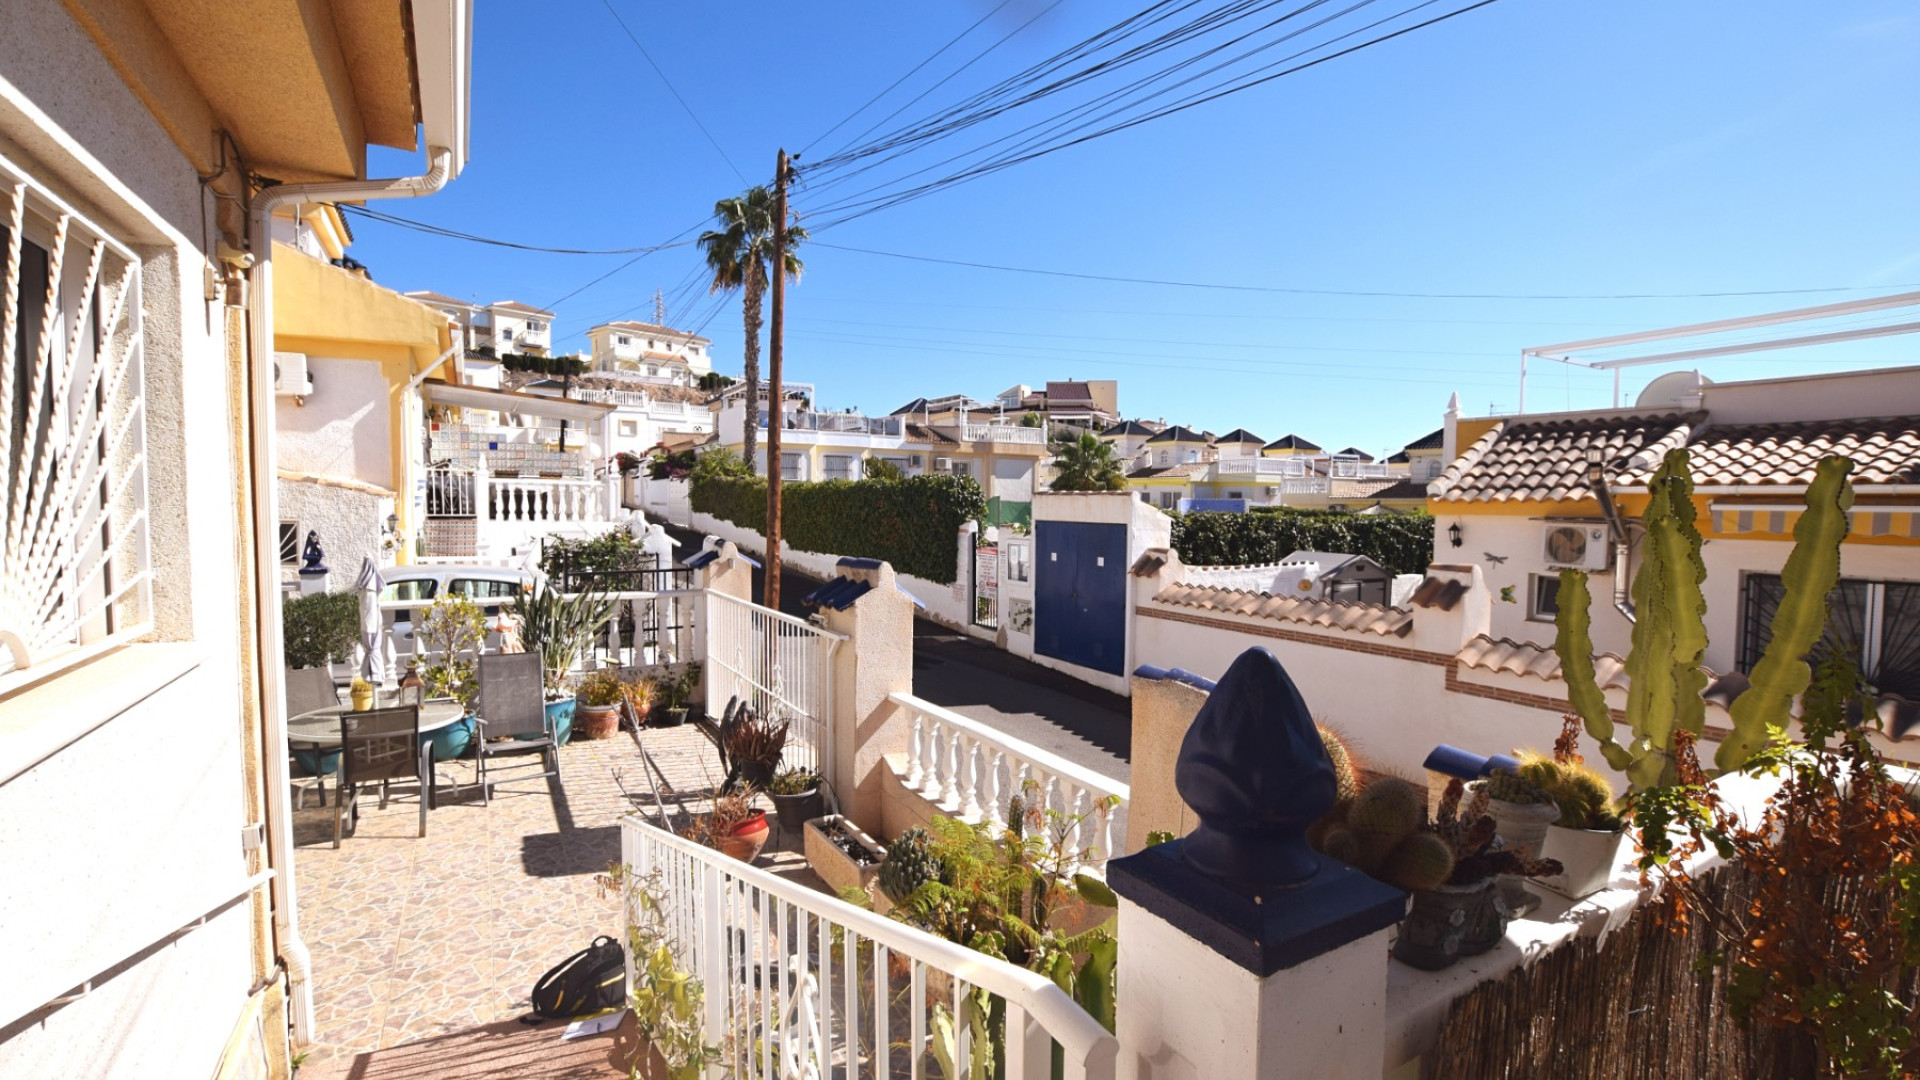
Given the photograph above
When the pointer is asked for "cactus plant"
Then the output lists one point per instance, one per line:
(1506, 785)
(1346, 775)
(910, 863)
(1669, 630)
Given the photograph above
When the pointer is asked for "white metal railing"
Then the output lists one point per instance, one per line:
(847, 423)
(976, 771)
(797, 983)
(780, 665)
(1004, 433)
(1311, 485)
(1355, 469)
(75, 568)
(649, 628)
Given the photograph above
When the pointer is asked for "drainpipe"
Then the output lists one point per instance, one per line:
(291, 948)
(1617, 529)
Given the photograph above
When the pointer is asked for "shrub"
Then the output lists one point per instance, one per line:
(913, 524)
(321, 628)
(1401, 543)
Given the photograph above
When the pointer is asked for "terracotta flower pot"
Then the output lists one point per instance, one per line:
(1590, 858)
(597, 721)
(747, 838)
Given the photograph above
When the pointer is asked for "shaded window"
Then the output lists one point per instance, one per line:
(1875, 622)
(289, 541)
(1543, 597)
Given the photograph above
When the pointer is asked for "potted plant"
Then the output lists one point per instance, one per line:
(797, 798)
(842, 854)
(639, 695)
(597, 704)
(449, 637)
(1521, 812)
(750, 745)
(559, 627)
(1448, 864)
(734, 827)
(676, 696)
(1587, 837)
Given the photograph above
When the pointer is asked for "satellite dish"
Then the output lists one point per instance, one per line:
(1674, 390)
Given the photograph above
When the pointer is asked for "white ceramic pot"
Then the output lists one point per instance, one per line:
(1590, 858)
(1522, 828)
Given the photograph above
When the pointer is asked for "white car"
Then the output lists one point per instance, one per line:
(423, 583)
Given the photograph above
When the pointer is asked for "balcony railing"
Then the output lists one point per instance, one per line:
(1003, 433)
(843, 423)
(1263, 467)
(1353, 469)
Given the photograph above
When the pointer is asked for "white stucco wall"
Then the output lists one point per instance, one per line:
(122, 797)
(351, 524)
(342, 429)
(1518, 540)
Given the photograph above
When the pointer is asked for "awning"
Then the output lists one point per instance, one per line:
(507, 401)
(1778, 519)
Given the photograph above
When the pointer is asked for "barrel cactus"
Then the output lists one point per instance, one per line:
(910, 863)
(1506, 785)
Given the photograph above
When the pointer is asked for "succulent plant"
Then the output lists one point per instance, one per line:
(1386, 835)
(1585, 797)
(1507, 785)
(1346, 779)
(910, 863)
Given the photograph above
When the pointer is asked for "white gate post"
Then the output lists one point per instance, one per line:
(1247, 953)
(865, 603)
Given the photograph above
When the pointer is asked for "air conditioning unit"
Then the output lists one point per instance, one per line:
(290, 378)
(1583, 547)
(943, 464)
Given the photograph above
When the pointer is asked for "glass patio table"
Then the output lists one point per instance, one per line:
(314, 736)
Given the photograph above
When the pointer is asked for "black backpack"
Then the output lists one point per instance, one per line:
(590, 981)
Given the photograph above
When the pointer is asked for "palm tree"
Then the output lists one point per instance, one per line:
(737, 255)
(1086, 464)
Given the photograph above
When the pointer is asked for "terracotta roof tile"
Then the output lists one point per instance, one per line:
(1442, 593)
(921, 433)
(1333, 614)
(1546, 460)
(1511, 657)
(1884, 451)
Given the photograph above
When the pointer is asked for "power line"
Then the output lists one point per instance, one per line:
(955, 40)
(676, 93)
(455, 234)
(1351, 292)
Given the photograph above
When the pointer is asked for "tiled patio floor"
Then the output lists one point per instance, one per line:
(414, 938)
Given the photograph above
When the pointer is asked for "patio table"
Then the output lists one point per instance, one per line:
(314, 736)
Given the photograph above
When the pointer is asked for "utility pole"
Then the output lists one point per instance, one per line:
(777, 416)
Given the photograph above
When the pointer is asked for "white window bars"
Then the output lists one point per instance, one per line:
(75, 570)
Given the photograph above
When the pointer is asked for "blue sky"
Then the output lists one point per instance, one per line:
(1530, 147)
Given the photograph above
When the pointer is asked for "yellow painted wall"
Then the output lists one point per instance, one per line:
(320, 309)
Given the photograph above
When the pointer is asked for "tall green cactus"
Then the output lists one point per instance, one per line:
(1761, 712)
(1670, 636)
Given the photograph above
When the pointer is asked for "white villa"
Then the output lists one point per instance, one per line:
(650, 353)
(496, 329)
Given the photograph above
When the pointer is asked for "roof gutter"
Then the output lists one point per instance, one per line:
(443, 44)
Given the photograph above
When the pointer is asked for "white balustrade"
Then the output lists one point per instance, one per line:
(1003, 433)
(797, 983)
(975, 770)
(545, 500)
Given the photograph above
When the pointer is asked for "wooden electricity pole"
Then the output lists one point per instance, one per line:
(777, 413)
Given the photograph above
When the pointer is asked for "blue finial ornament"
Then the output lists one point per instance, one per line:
(312, 555)
(1255, 772)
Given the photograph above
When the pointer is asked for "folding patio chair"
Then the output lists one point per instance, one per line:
(512, 717)
(380, 746)
(309, 689)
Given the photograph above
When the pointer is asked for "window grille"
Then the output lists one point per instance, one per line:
(75, 571)
(289, 542)
(1875, 622)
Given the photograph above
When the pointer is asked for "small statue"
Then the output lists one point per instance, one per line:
(312, 555)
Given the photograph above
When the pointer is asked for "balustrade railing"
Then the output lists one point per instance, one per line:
(797, 983)
(1003, 433)
(780, 665)
(1277, 467)
(975, 771)
(541, 500)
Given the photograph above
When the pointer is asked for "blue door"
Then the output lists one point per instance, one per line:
(1080, 594)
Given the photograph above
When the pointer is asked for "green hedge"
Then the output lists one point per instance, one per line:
(320, 628)
(913, 523)
(1403, 543)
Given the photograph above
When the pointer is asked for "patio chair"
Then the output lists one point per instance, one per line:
(512, 718)
(380, 746)
(309, 689)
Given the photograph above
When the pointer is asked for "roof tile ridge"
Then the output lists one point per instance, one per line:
(1442, 484)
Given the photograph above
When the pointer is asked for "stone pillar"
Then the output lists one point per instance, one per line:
(1454, 607)
(727, 572)
(1248, 954)
(1164, 706)
(865, 603)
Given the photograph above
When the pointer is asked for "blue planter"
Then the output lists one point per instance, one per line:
(560, 715)
(453, 740)
(314, 762)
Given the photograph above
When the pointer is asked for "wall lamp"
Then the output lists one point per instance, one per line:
(1453, 533)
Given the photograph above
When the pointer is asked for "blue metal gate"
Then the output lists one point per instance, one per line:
(1080, 594)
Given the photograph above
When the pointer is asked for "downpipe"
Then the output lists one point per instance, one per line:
(291, 949)
(1622, 548)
